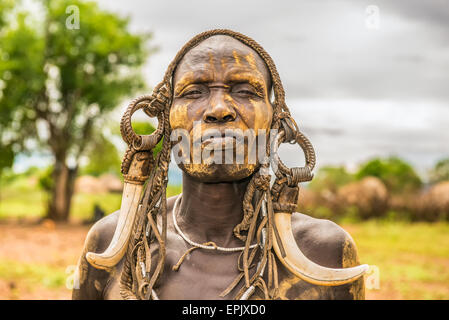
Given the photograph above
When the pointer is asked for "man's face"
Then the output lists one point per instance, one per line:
(220, 86)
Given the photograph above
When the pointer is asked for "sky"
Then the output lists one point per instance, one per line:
(323, 49)
(362, 78)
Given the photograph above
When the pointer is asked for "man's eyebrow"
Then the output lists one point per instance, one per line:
(197, 76)
(246, 77)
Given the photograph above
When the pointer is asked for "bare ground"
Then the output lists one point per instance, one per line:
(44, 244)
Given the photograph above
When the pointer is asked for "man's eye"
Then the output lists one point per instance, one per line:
(244, 93)
(247, 92)
(192, 93)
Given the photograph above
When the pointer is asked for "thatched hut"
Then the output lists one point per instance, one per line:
(433, 205)
(369, 196)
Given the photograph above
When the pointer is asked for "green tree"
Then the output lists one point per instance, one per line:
(58, 79)
(330, 178)
(6, 151)
(102, 154)
(103, 157)
(5, 8)
(440, 172)
(398, 175)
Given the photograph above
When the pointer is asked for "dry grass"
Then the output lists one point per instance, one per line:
(413, 258)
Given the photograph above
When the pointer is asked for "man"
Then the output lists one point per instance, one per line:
(231, 234)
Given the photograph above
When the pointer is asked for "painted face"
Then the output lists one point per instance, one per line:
(221, 86)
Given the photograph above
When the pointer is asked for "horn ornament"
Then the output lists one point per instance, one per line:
(284, 242)
(298, 264)
(136, 168)
(132, 191)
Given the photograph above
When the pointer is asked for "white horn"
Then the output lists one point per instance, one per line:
(284, 242)
(132, 190)
(297, 263)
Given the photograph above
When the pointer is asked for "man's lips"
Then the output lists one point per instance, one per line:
(218, 137)
(218, 143)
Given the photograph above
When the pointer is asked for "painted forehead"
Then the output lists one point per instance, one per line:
(221, 53)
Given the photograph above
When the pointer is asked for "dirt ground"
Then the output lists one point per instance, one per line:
(56, 247)
(45, 244)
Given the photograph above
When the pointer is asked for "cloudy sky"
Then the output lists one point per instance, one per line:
(362, 78)
(323, 49)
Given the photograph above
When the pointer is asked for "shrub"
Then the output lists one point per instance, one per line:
(330, 178)
(432, 205)
(397, 175)
(46, 179)
(369, 196)
(440, 172)
(103, 158)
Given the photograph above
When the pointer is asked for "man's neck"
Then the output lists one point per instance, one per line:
(210, 211)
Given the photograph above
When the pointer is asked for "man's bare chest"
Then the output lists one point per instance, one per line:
(205, 275)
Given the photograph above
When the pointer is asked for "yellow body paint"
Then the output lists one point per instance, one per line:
(236, 58)
(251, 61)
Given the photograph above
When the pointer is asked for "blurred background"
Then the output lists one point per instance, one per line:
(367, 82)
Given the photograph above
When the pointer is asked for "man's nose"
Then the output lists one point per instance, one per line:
(219, 111)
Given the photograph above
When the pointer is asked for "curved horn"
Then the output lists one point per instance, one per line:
(284, 242)
(295, 261)
(136, 169)
(133, 186)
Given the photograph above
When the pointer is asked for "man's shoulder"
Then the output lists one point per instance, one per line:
(92, 281)
(101, 233)
(329, 245)
(323, 241)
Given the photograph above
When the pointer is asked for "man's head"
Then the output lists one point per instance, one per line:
(220, 85)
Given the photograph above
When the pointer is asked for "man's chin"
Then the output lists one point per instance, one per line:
(218, 172)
